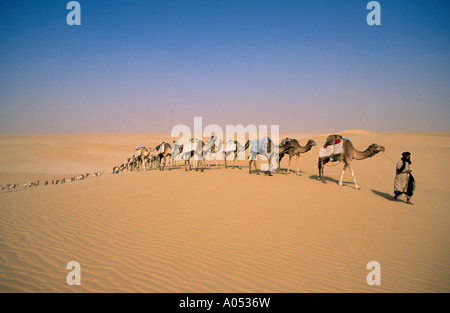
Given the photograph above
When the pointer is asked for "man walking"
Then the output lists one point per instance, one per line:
(404, 182)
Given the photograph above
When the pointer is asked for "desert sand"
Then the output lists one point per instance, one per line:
(222, 230)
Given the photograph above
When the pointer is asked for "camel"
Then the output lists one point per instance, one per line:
(80, 177)
(153, 160)
(12, 186)
(2, 187)
(176, 150)
(349, 154)
(162, 152)
(140, 157)
(210, 147)
(235, 150)
(265, 147)
(296, 150)
(31, 184)
(193, 149)
(132, 163)
(129, 164)
(211, 153)
(98, 174)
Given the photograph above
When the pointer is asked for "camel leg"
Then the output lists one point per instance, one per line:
(289, 165)
(200, 165)
(250, 166)
(321, 166)
(354, 178)
(296, 161)
(342, 175)
(268, 173)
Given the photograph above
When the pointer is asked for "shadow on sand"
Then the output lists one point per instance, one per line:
(384, 195)
(327, 179)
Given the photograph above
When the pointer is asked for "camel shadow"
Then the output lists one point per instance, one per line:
(285, 171)
(384, 195)
(327, 179)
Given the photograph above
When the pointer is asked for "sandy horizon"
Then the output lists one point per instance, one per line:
(222, 230)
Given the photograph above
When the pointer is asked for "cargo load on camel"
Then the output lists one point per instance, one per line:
(333, 146)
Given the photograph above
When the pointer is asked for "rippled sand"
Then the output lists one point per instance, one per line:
(221, 230)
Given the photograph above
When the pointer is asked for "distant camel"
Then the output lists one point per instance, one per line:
(349, 154)
(176, 152)
(266, 148)
(234, 147)
(163, 151)
(79, 177)
(31, 184)
(296, 150)
(12, 186)
(212, 153)
(193, 149)
(140, 157)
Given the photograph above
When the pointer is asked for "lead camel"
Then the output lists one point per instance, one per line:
(349, 154)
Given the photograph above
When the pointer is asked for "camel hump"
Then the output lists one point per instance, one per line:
(285, 141)
(332, 138)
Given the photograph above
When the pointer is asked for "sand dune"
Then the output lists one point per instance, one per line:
(221, 230)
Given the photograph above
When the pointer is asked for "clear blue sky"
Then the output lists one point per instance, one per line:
(144, 66)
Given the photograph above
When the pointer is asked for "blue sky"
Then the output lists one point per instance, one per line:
(145, 66)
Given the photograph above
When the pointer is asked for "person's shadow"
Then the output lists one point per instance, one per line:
(385, 195)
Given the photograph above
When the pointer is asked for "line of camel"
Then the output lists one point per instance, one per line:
(146, 157)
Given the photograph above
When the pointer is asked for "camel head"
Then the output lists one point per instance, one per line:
(375, 148)
(311, 143)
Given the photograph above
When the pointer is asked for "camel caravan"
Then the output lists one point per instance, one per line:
(195, 153)
(31, 184)
(336, 149)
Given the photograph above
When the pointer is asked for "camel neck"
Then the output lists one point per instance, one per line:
(306, 148)
(361, 155)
